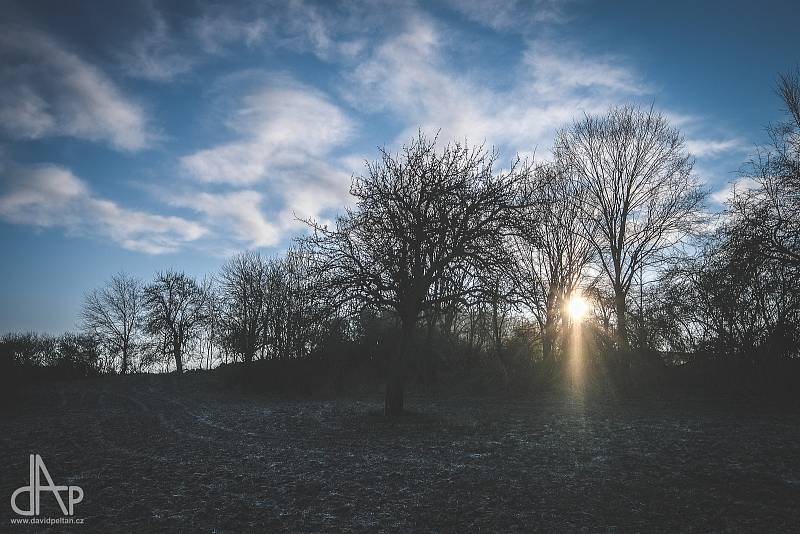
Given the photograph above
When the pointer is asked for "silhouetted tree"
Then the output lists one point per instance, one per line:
(243, 284)
(300, 314)
(175, 305)
(212, 330)
(420, 217)
(641, 197)
(26, 349)
(738, 298)
(731, 302)
(113, 313)
(554, 252)
(78, 352)
(768, 216)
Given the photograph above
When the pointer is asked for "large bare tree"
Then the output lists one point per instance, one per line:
(243, 290)
(422, 218)
(641, 197)
(554, 252)
(175, 306)
(113, 313)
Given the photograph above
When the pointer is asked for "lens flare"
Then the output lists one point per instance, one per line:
(577, 308)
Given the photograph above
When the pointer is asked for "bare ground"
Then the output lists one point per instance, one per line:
(165, 453)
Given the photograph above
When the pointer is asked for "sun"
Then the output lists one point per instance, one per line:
(577, 307)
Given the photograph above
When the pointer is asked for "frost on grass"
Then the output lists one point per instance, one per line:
(160, 453)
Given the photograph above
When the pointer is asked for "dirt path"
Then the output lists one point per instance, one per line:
(166, 454)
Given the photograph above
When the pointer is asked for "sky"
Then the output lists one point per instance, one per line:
(142, 135)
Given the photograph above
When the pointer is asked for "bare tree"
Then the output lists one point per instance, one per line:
(421, 217)
(299, 312)
(209, 337)
(554, 252)
(641, 198)
(769, 215)
(243, 285)
(175, 306)
(113, 313)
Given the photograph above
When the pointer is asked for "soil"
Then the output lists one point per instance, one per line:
(189, 454)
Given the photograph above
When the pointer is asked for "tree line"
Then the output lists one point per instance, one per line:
(446, 258)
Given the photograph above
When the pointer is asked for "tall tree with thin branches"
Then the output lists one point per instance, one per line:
(641, 196)
(553, 253)
(175, 307)
(243, 285)
(113, 313)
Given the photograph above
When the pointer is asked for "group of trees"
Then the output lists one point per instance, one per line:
(739, 296)
(441, 245)
(71, 354)
(256, 307)
(433, 230)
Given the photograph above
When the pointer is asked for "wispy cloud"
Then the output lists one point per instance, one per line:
(218, 30)
(517, 16)
(726, 193)
(331, 34)
(155, 54)
(49, 196)
(409, 76)
(286, 137)
(283, 125)
(711, 148)
(165, 50)
(561, 71)
(162, 52)
(46, 90)
(238, 214)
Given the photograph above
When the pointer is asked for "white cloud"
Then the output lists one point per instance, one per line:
(412, 76)
(409, 76)
(162, 52)
(330, 34)
(46, 90)
(165, 51)
(216, 31)
(557, 71)
(311, 189)
(49, 196)
(710, 148)
(155, 54)
(287, 135)
(518, 16)
(282, 126)
(238, 213)
(722, 196)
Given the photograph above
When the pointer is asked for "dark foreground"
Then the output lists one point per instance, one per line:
(167, 454)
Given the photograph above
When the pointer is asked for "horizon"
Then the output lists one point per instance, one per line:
(145, 136)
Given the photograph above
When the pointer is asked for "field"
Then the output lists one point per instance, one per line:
(166, 453)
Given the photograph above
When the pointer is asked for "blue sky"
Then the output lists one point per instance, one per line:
(144, 135)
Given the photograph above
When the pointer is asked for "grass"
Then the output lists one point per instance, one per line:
(166, 453)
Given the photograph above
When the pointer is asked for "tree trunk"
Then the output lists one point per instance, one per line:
(393, 402)
(622, 332)
(125, 358)
(622, 321)
(497, 336)
(176, 351)
(548, 338)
